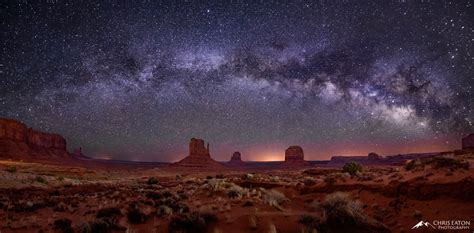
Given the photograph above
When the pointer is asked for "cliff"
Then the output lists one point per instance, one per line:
(19, 142)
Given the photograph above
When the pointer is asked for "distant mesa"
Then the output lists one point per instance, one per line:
(468, 142)
(236, 160)
(294, 157)
(236, 156)
(294, 153)
(199, 157)
(21, 143)
(196, 147)
(373, 156)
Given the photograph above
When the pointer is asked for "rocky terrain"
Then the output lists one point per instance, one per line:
(44, 188)
(49, 198)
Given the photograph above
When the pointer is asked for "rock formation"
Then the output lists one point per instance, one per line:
(199, 157)
(294, 157)
(236, 156)
(196, 147)
(236, 160)
(294, 153)
(373, 156)
(468, 142)
(21, 143)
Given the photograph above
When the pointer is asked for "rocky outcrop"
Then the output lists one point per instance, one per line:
(294, 153)
(468, 142)
(373, 156)
(294, 158)
(236, 160)
(46, 140)
(12, 130)
(199, 157)
(236, 156)
(196, 147)
(22, 143)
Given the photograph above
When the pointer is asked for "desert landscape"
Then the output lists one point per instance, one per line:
(199, 194)
(202, 116)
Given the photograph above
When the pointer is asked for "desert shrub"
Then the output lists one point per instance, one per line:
(248, 176)
(329, 179)
(135, 215)
(444, 162)
(164, 210)
(195, 222)
(340, 209)
(41, 179)
(308, 181)
(100, 225)
(208, 177)
(352, 168)
(60, 178)
(220, 176)
(410, 165)
(310, 223)
(274, 198)
(11, 169)
(248, 204)
(154, 195)
(63, 225)
(108, 212)
(235, 191)
(152, 181)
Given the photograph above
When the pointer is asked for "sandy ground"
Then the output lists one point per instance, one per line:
(40, 198)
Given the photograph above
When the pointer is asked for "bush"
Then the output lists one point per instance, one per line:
(135, 215)
(11, 169)
(410, 165)
(235, 191)
(329, 179)
(274, 198)
(41, 179)
(340, 209)
(310, 223)
(152, 181)
(108, 212)
(352, 168)
(443, 162)
(220, 176)
(195, 222)
(64, 225)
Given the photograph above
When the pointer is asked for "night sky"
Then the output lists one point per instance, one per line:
(136, 80)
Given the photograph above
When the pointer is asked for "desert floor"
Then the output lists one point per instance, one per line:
(37, 197)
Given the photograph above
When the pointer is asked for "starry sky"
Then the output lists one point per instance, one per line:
(135, 80)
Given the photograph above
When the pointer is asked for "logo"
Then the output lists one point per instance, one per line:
(444, 224)
(423, 224)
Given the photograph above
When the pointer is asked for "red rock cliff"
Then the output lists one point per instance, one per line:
(19, 142)
(294, 153)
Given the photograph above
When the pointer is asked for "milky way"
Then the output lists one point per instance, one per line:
(135, 80)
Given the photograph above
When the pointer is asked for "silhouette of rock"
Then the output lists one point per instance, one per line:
(196, 147)
(468, 142)
(236, 160)
(199, 157)
(19, 142)
(373, 156)
(294, 153)
(236, 156)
